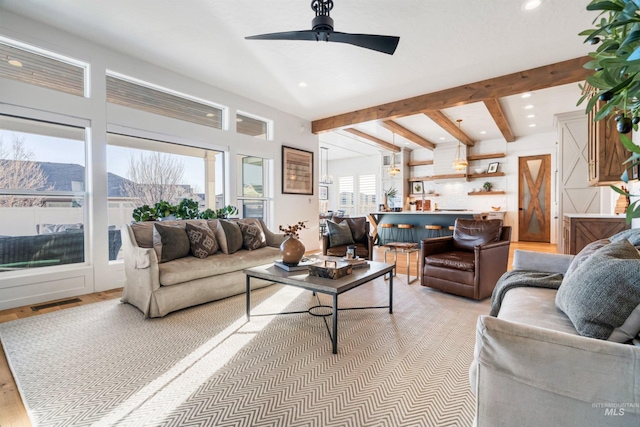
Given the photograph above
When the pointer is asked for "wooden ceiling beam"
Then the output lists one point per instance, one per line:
(384, 144)
(406, 133)
(493, 105)
(441, 120)
(557, 74)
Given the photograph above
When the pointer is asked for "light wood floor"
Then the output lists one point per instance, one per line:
(12, 411)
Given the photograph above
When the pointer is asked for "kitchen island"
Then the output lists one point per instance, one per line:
(419, 219)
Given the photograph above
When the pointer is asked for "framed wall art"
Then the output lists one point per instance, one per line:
(297, 171)
(493, 167)
(323, 193)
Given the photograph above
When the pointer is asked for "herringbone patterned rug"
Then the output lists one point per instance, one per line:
(103, 364)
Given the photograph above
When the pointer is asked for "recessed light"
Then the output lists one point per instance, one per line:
(531, 116)
(528, 107)
(532, 125)
(483, 132)
(442, 138)
(532, 4)
(302, 84)
(210, 114)
(238, 119)
(406, 143)
(15, 62)
(526, 95)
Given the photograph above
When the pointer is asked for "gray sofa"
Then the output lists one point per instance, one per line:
(158, 288)
(533, 368)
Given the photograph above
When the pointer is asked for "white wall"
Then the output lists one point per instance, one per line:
(29, 101)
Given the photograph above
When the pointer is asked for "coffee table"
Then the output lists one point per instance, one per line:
(301, 279)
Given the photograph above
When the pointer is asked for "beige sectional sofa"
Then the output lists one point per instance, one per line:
(158, 288)
(533, 368)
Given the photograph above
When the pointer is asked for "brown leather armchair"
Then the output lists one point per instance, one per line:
(470, 262)
(360, 232)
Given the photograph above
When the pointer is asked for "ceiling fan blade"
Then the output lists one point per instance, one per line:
(287, 35)
(384, 44)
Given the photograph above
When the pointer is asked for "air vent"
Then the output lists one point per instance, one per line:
(55, 304)
(40, 70)
(140, 97)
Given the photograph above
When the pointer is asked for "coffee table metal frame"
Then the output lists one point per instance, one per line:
(301, 279)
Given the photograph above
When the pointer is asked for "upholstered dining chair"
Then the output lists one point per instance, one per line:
(338, 238)
(470, 262)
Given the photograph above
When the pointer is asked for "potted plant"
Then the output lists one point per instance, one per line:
(387, 195)
(487, 186)
(616, 77)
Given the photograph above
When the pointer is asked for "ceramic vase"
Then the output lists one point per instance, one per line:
(292, 251)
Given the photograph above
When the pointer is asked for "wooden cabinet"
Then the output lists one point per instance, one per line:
(605, 151)
(579, 231)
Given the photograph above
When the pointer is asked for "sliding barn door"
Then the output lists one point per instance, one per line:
(534, 204)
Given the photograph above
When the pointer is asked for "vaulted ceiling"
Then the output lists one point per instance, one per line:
(444, 45)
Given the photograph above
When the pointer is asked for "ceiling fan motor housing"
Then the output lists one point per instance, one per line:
(322, 23)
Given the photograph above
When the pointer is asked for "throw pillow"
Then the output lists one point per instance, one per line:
(170, 242)
(584, 255)
(358, 229)
(233, 235)
(252, 236)
(632, 235)
(603, 292)
(339, 233)
(469, 233)
(202, 240)
(58, 228)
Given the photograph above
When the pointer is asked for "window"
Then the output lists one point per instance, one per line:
(21, 62)
(367, 197)
(252, 188)
(252, 126)
(152, 99)
(346, 199)
(144, 172)
(42, 194)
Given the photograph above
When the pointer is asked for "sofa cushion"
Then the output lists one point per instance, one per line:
(362, 250)
(232, 235)
(603, 292)
(584, 255)
(339, 233)
(202, 240)
(170, 242)
(535, 307)
(459, 260)
(252, 236)
(191, 268)
(469, 233)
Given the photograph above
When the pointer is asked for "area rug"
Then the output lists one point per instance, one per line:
(104, 364)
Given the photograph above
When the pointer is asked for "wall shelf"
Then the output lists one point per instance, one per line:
(420, 163)
(486, 193)
(426, 195)
(486, 156)
(484, 175)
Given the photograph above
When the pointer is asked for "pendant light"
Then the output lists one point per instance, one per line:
(325, 178)
(459, 163)
(393, 169)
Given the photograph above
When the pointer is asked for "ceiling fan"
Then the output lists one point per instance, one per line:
(322, 26)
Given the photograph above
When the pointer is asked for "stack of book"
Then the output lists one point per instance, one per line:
(302, 265)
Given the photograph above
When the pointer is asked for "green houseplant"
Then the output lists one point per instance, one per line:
(616, 77)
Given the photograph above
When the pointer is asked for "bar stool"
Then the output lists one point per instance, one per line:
(388, 235)
(433, 231)
(405, 233)
(452, 228)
